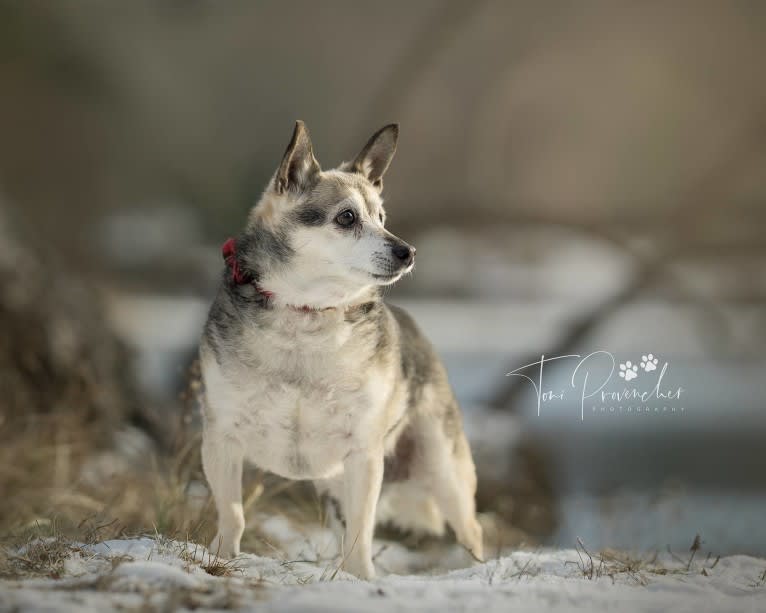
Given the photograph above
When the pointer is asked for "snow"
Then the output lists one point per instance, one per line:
(302, 574)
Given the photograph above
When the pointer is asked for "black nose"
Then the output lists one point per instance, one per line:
(404, 252)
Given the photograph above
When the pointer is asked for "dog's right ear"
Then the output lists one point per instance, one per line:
(299, 166)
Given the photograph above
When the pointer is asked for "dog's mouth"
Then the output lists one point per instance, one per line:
(385, 278)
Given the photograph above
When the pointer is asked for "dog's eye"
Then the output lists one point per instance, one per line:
(345, 218)
(381, 217)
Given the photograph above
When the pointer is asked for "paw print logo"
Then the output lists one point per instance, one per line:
(628, 370)
(649, 362)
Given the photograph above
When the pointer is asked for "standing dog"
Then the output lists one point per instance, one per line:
(310, 375)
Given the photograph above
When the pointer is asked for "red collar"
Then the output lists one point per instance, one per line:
(239, 276)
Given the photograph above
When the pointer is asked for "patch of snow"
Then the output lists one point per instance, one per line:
(149, 574)
(303, 575)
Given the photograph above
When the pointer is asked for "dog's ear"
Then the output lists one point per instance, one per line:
(377, 154)
(299, 166)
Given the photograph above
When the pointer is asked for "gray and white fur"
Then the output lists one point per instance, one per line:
(310, 375)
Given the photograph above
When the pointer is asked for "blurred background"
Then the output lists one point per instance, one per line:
(576, 177)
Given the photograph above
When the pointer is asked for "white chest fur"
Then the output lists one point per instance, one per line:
(297, 396)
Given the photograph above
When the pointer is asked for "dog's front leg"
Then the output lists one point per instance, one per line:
(363, 472)
(222, 459)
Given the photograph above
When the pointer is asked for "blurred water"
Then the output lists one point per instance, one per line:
(643, 521)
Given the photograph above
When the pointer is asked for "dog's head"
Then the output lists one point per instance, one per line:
(317, 237)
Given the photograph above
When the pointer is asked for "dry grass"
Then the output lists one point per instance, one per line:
(211, 562)
(614, 564)
(43, 481)
(38, 558)
(46, 556)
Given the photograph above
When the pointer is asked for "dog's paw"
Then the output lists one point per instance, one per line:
(628, 370)
(362, 569)
(649, 362)
(473, 541)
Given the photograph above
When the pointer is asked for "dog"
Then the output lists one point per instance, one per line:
(308, 374)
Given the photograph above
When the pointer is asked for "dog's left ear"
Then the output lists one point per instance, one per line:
(374, 159)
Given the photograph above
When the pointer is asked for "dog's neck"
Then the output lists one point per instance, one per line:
(241, 277)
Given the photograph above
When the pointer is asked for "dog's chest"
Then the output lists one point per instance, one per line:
(299, 410)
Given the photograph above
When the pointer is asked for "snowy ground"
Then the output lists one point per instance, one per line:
(302, 573)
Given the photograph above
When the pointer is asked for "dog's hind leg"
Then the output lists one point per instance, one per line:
(447, 470)
(330, 492)
(222, 460)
